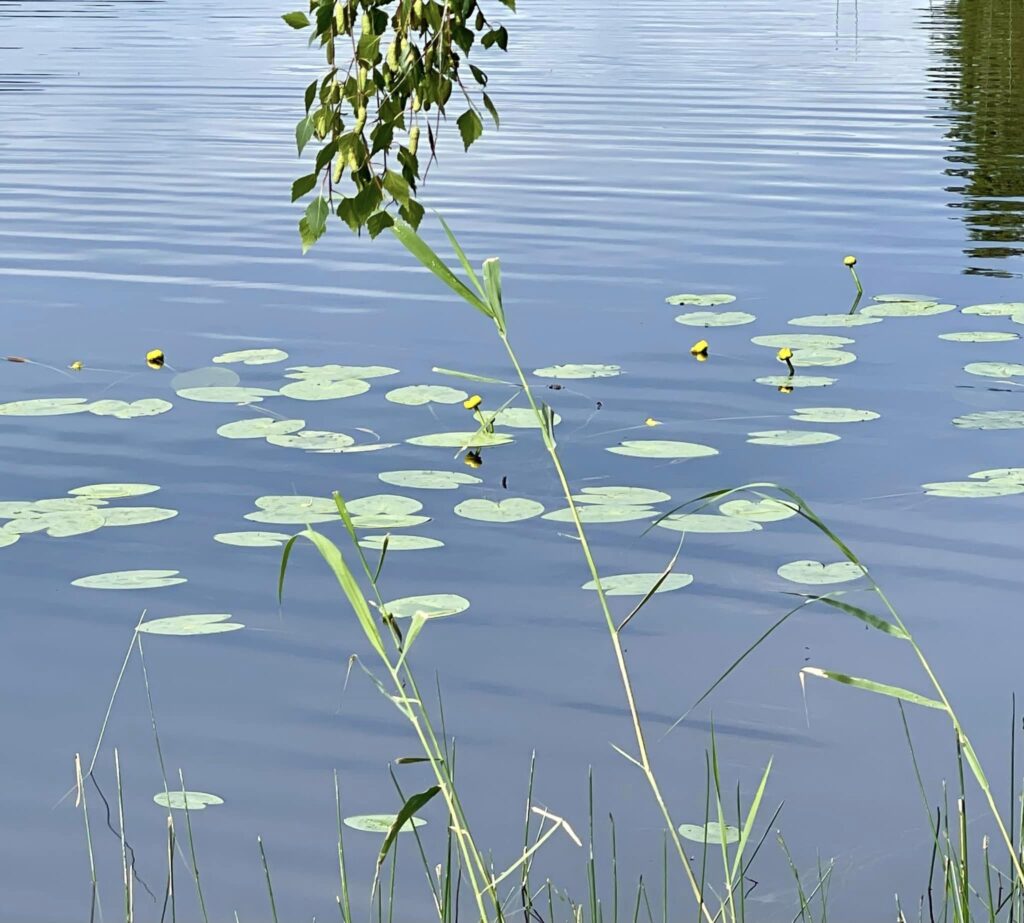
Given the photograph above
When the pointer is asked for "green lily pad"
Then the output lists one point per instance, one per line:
(112, 491)
(259, 428)
(518, 418)
(252, 356)
(796, 381)
(340, 372)
(252, 539)
(907, 309)
(12, 509)
(468, 440)
(662, 448)
(388, 521)
(767, 510)
(621, 496)
(434, 606)
(707, 522)
(382, 823)
(832, 415)
(973, 489)
(995, 309)
(992, 419)
(226, 395)
(8, 538)
(209, 377)
(803, 358)
(416, 395)
(585, 370)
(980, 336)
(206, 624)
(312, 440)
(130, 580)
(802, 341)
(1002, 474)
(834, 320)
(317, 389)
(135, 515)
(356, 449)
(296, 517)
(790, 437)
(72, 504)
(639, 584)
(179, 801)
(710, 833)
(147, 407)
(45, 407)
(816, 573)
(58, 524)
(702, 301)
(383, 505)
(994, 369)
(400, 542)
(514, 509)
(426, 479)
(603, 512)
(279, 502)
(713, 319)
(902, 297)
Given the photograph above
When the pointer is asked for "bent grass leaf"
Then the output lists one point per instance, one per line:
(893, 692)
(864, 616)
(204, 624)
(418, 247)
(404, 816)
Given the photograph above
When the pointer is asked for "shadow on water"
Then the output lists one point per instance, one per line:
(982, 47)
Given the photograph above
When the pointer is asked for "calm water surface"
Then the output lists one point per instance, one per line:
(145, 156)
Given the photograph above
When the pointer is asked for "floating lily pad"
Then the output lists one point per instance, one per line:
(1002, 474)
(603, 512)
(208, 377)
(130, 580)
(702, 301)
(427, 479)
(236, 395)
(73, 504)
(381, 823)
(834, 320)
(973, 489)
(796, 381)
(434, 606)
(355, 449)
(296, 517)
(340, 372)
(8, 538)
(277, 502)
(179, 801)
(901, 297)
(400, 542)
(135, 515)
(980, 336)
(814, 572)
(578, 371)
(45, 407)
(767, 510)
(123, 410)
(383, 505)
(388, 521)
(312, 440)
(252, 356)
(58, 524)
(994, 369)
(995, 309)
(639, 584)
(713, 319)
(803, 358)
(802, 341)
(514, 509)
(710, 833)
(112, 491)
(206, 624)
(662, 448)
(317, 389)
(707, 522)
(790, 437)
(907, 309)
(518, 418)
(252, 539)
(12, 509)
(992, 419)
(469, 440)
(622, 496)
(833, 415)
(259, 428)
(416, 395)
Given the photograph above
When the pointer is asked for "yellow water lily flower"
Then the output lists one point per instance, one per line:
(650, 421)
(473, 459)
(850, 261)
(473, 402)
(155, 358)
(786, 355)
(700, 349)
(77, 366)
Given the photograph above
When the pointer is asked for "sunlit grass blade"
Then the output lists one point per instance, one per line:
(863, 615)
(894, 692)
(419, 248)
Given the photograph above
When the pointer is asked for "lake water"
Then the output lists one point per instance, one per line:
(145, 160)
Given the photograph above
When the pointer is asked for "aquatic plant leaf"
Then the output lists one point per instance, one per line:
(992, 419)
(318, 389)
(135, 515)
(901, 297)
(383, 505)
(280, 502)
(639, 584)
(621, 496)
(973, 489)
(469, 440)
(833, 415)
(995, 309)
(259, 428)
(514, 509)
(1002, 474)
(713, 319)
(790, 437)
(662, 448)
(381, 823)
(585, 370)
(355, 449)
(427, 479)
(994, 369)
(8, 538)
(433, 606)
(980, 336)
(312, 440)
(205, 624)
(802, 341)
(388, 521)
(253, 539)
(417, 395)
(834, 320)
(179, 800)
(73, 504)
(123, 410)
(702, 301)
(208, 377)
(58, 524)
(130, 580)
(12, 509)
(339, 372)
(803, 358)
(767, 510)
(710, 833)
(236, 395)
(45, 407)
(400, 542)
(518, 418)
(707, 522)
(796, 381)
(112, 491)
(290, 517)
(252, 356)
(907, 309)
(816, 573)
(603, 512)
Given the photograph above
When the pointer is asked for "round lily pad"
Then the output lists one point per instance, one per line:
(662, 448)
(130, 580)
(702, 301)
(58, 524)
(803, 358)
(980, 336)
(434, 606)
(179, 801)
(291, 517)
(400, 542)
(252, 356)
(135, 515)
(259, 428)
(603, 512)
(1004, 474)
(428, 479)
(12, 509)
(279, 502)
(802, 341)
(790, 437)
(469, 440)
(71, 504)
(834, 320)
(382, 823)
(45, 407)
(973, 489)
(112, 491)
(519, 418)
(833, 415)
(639, 584)
(206, 624)
(340, 372)
(710, 833)
(388, 521)
(8, 538)
(814, 572)
(623, 496)
(796, 381)
(514, 509)
(992, 419)
(995, 309)
(994, 369)
(383, 505)
(312, 440)
(416, 395)
(901, 297)
(907, 309)
(707, 522)
(124, 410)
(209, 377)
(320, 389)
(713, 319)
(252, 539)
(767, 510)
(578, 371)
(236, 395)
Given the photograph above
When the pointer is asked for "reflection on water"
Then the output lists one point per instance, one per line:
(982, 42)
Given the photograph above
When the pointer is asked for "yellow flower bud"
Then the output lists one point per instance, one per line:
(473, 402)
(850, 261)
(650, 421)
(700, 349)
(784, 354)
(77, 366)
(155, 358)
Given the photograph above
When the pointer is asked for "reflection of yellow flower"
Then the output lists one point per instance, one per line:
(700, 350)
(473, 459)
(155, 358)
(76, 366)
(850, 261)
(785, 389)
(473, 402)
(650, 421)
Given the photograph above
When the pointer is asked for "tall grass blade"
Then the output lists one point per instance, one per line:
(868, 685)
(419, 248)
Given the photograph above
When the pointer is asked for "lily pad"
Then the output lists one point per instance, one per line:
(112, 491)
(603, 512)
(416, 395)
(312, 440)
(834, 320)
(400, 542)
(707, 522)
(278, 502)
(578, 371)
(796, 381)
(123, 410)
(980, 336)
(381, 823)
(58, 524)
(1002, 474)
(388, 521)
(621, 496)
(426, 479)
(992, 419)
(12, 509)
(802, 341)
(45, 407)
(469, 440)
(518, 418)
(317, 389)
(135, 515)
(8, 538)
(713, 319)
(340, 372)
(995, 309)
(383, 505)
(206, 624)
(72, 504)
(236, 395)
(662, 448)
(296, 517)
(816, 573)
(803, 358)
(973, 489)
(259, 428)
(194, 801)
(702, 301)
(434, 606)
(130, 580)
(790, 437)
(907, 309)
(252, 539)
(252, 356)
(767, 510)
(514, 509)
(208, 377)
(901, 297)
(833, 415)
(994, 369)
(710, 833)
(639, 584)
